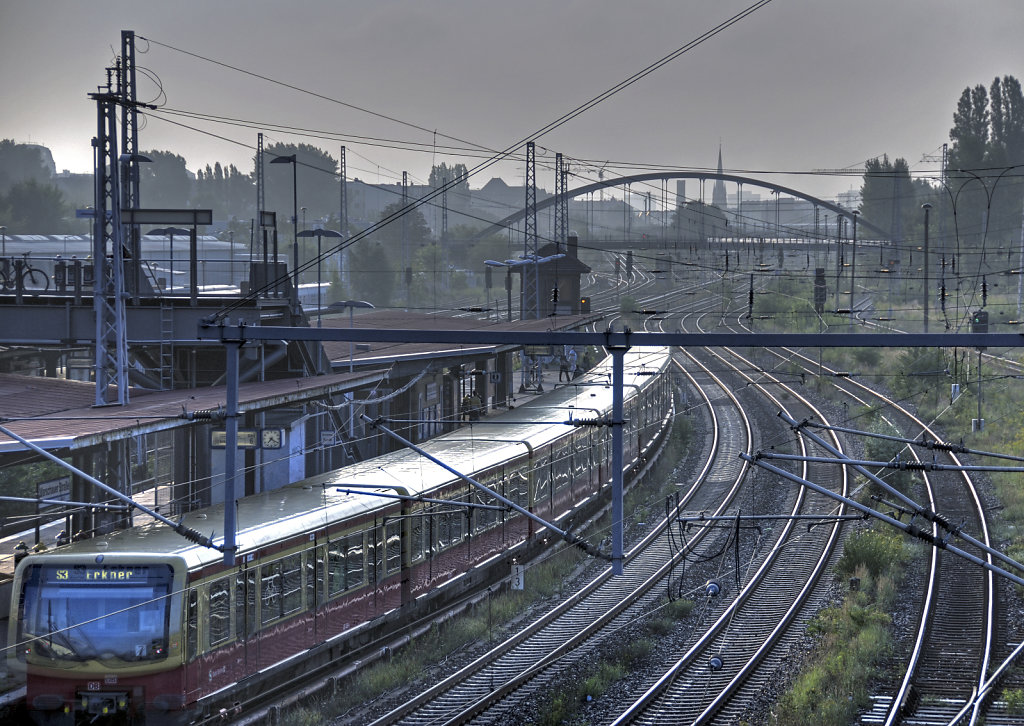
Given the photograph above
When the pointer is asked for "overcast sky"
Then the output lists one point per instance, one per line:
(798, 85)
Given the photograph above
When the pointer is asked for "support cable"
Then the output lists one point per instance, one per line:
(564, 534)
(190, 534)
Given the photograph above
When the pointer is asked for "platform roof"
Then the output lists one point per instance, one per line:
(377, 354)
(58, 414)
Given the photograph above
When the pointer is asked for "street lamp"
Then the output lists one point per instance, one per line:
(927, 208)
(853, 267)
(3, 235)
(319, 234)
(350, 304)
(290, 159)
(535, 261)
(169, 232)
(953, 198)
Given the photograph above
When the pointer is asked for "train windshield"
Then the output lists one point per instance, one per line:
(83, 612)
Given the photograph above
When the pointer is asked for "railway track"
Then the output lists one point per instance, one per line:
(725, 668)
(495, 682)
(956, 633)
(476, 695)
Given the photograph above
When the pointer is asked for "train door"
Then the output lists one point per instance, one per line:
(313, 583)
(245, 616)
(190, 630)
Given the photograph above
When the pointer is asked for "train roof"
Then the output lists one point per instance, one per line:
(316, 502)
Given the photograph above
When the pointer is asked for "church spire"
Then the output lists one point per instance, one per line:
(718, 195)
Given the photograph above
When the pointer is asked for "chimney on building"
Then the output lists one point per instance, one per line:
(572, 244)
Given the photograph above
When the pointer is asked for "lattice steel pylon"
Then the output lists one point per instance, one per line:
(129, 162)
(260, 180)
(108, 258)
(343, 273)
(560, 204)
(531, 275)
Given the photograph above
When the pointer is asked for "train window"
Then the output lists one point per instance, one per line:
(240, 620)
(336, 567)
(486, 518)
(75, 613)
(291, 583)
(312, 580)
(219, 615)
(270, 592)
(345, 564)
(393, 548)
(416, 546)
(192, 625)
(442, 528)
(355, 562)
(251, 581)
(518, 486)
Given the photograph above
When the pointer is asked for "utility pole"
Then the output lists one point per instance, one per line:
(531, 275)
(129, 152)
(560, 231)
(343, 217)
(406, 257)
(108, 272)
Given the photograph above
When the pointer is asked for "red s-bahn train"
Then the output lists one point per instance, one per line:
(141, 626)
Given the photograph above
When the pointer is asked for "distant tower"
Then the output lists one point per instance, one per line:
(718, 195)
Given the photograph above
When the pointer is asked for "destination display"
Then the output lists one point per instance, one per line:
(104, 574)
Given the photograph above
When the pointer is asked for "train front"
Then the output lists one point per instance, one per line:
(99, 637)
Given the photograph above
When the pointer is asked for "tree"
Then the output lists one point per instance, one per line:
(165, 183)
(970, 130)
(36, 208)
(316, 181)
(888, 197)
(23, 162)
(417, 233)
(371, 272)
(1006, 149)
(441, 173)
(983, 199)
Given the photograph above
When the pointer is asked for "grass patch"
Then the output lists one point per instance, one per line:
(852, 637)
(600, 673)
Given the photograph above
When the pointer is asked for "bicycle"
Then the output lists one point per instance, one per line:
(32, 279)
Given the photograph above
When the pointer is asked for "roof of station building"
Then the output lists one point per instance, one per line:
(383, 353)
(56, 413)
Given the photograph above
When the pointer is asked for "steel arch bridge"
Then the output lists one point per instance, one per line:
(503, 224)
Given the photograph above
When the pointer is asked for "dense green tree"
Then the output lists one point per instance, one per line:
(225, 190)
(165, 183)
(1006, 141)
(982, 193)
(1005, 149)
(33, 207)
(316, 182)
(888, 197)
(441, 173)
(372, 272)
(22, 162)
(416, 231)
(970, 130)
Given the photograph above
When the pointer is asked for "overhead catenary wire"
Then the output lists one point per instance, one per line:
(498, 156)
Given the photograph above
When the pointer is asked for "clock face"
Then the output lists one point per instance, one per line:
(271, 439)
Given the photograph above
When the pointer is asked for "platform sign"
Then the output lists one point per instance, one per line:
(539, 351)
(518, 577)
(54, 489)
(247, 439)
